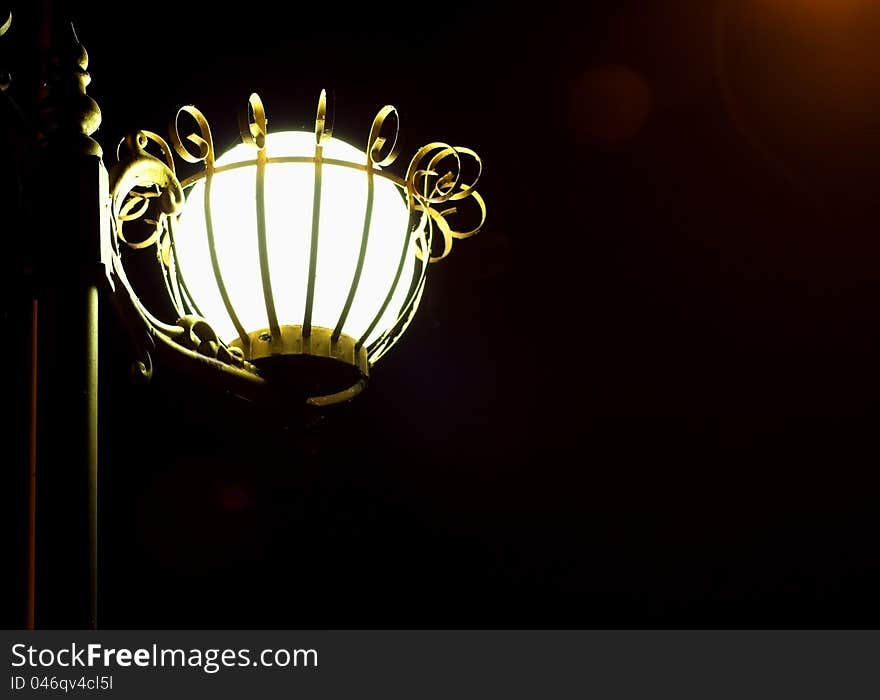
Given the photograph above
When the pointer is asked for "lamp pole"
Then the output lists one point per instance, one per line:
(75, 259)
(70, 218)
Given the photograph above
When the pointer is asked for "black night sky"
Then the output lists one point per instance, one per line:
(646, 395)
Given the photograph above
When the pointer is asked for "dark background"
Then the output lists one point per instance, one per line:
(644, 395)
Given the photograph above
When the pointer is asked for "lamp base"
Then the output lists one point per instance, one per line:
(323, 371)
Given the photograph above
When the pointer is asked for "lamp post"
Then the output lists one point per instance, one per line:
(292, 264)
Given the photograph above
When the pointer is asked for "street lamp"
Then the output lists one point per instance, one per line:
(296, 257)
(293, 262)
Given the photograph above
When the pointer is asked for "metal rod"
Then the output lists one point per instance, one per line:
(32, 471)
(365, 235)
(90, 399)
(215, 264)
(171, 287)
(185, 296)
(388, 297)
(384, 342)
(67, 524)
(268, 298)
(69, 212)
(313, 244)
(230, 167)
(389, 336)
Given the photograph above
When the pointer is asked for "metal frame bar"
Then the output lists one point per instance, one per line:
(313, 242)
(362, 254)
(260, 196)
(215, 264)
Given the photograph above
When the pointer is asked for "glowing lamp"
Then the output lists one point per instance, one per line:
(295, 255)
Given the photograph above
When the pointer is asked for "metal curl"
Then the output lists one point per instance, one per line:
(203, 140)
(323, 125)
(425, 191)
(145, 138)
(252, 123)
(426, 188)
(377, 143)
(199, 336)
(436, 188)
(423, 246)
(5, 77)
(140, 202)
(460, 189)
(141, 369)
(140, 177)
(474, 196)
(135, 207)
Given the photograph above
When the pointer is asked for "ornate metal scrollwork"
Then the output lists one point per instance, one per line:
(199, 336)
(146, 190)
(440, 180)
(140, 178)
(5, 77)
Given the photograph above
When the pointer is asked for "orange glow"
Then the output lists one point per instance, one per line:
(609, 104)
(800, 81)
(822, 10)
(820, 5)
(234, 498)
